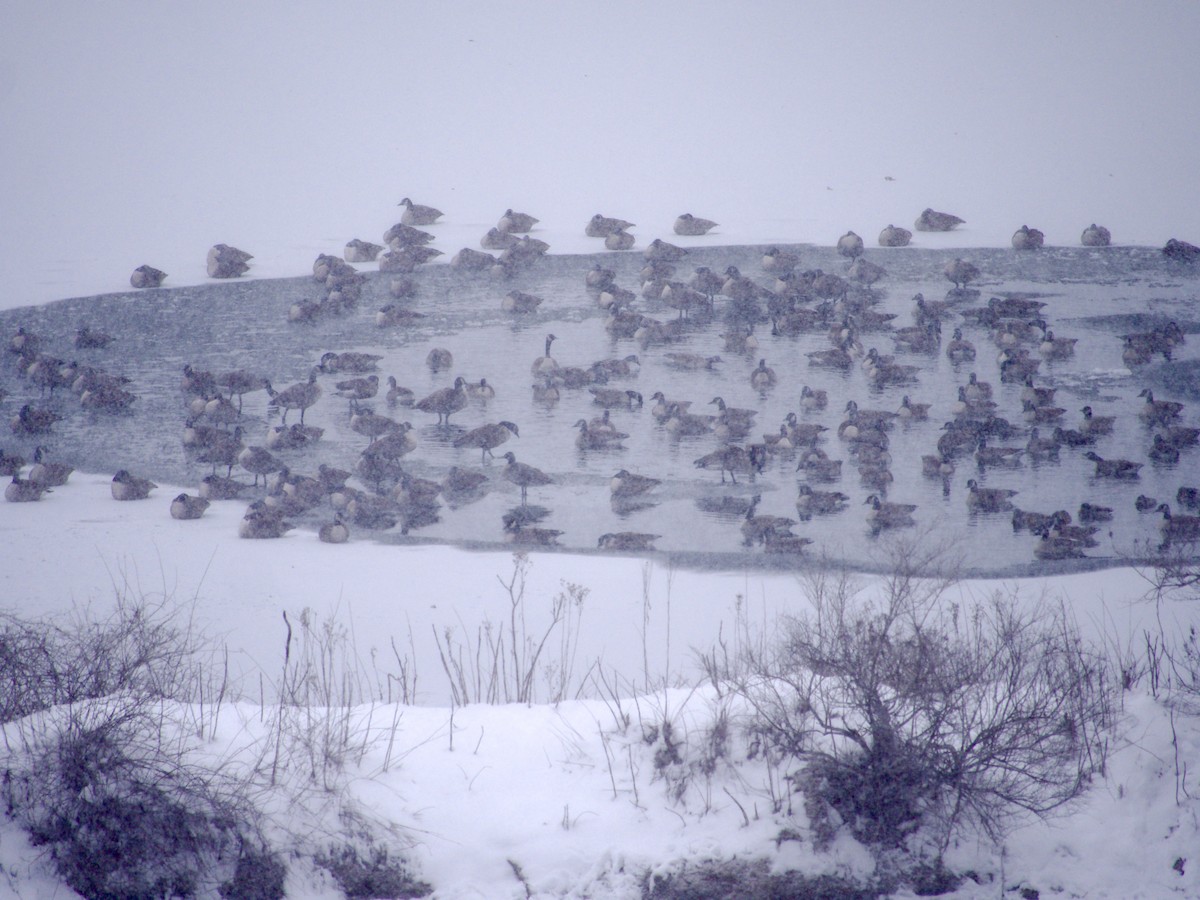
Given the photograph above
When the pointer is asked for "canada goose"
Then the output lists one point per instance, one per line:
(930, 220)
(545, 364)
(402, 235)
(1145, 504)
(1039, 447)
(1091, 512)
(130, 487)
(1113, 468)
(395, 314)
(417, 215)
(893, 236)
(989, 499)
(937, 466)
(258, 461)
(590, 438)
(220, 487)
(690, 361)
(147, 277)
(733, 459)
(1069, 437)
(811, 503)
(1036, 522)
(1158, 412)
(997, 456)
(881, 419)
(865, 272)
(1051, 547)
(516, 222)
(819, 467)
(439, 358)
(459, 482)
(1176, 527)
(740, 416)
(351, 362)
(545, 392)
(1163, 451)
(914, 412)
(369, 424)
(520, 302)
(292, 437)
(185, 506)
(46, 473)
(763, 377)
(11, 463)
(1056, 347)
(850, 245)
(516, 532)
(524, 475)
(835, 358)
(661, 410)
(618, 240)
(298, 396)
(1188, 497)
(689, 225)
(883, 514)
(1179, 436)
(960, 350)
(811, 399)
(613, 398)
(603, 226)
(627, 541)
(87, 338)
(487, 437)
(354, 389)
(976, 389)
(199, 383)
(1181, 251)
(227, 262)
(1026, 238)
(1096, 425)
(661, 251)
(1042, 415)
(706, 281)
(335, 532)
(961, 272)
(628, 484)
(34, 420)
(262, 523)
(445, 401)
(222, 449)
(756, 528)
(681, 423)
(21, 490)
(598, 277)
(360, 251)
(398, 395)
(1095, 236)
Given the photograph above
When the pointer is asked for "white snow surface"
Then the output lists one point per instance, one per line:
(139, 133)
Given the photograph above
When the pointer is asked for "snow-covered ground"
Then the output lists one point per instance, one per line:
(137, 134)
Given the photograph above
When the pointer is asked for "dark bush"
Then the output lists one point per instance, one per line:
(122, 817)
(258, 875)
(377, 874)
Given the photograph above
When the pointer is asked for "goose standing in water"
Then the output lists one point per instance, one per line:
(545, 364)
(487, 437)
(524, 475)
(298, 396)
(445, 401)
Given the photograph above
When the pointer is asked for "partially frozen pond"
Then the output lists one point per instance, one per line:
(1094, 295)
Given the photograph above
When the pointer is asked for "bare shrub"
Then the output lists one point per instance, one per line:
(502, 662)
(138, 647)
(909, 712)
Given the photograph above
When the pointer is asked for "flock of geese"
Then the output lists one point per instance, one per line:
(381, 493)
